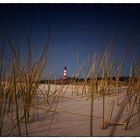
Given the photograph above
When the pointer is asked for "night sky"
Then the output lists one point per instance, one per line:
(77, 31)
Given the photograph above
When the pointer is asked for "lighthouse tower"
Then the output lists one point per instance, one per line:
(65, 73)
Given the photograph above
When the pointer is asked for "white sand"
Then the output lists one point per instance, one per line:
(72, 118)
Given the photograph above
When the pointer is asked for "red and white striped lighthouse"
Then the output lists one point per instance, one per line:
(65, 73)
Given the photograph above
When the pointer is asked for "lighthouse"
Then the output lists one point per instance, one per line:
(65, 73)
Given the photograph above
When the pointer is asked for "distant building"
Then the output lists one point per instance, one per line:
(65, 73)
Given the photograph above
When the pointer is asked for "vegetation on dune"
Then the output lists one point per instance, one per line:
(20, 80)
(19, 83)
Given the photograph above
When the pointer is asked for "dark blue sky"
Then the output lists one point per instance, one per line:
(77, 30)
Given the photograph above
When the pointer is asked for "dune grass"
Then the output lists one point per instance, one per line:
(20, 88)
